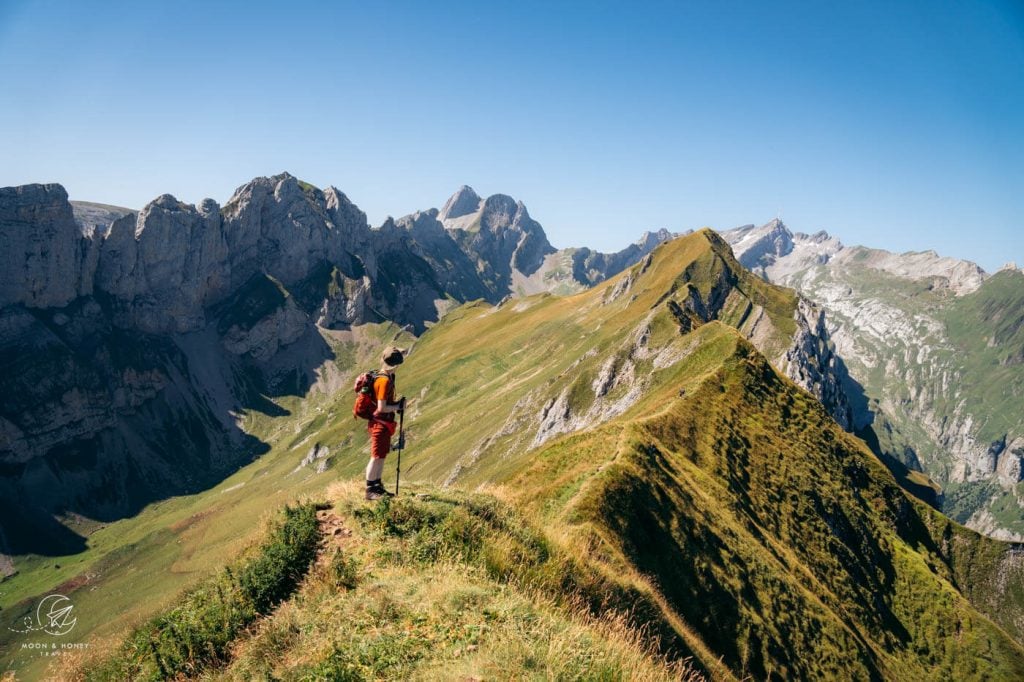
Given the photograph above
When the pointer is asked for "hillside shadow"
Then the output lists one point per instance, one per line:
(167, 410)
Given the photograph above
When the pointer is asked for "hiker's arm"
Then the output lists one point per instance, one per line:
(385, 406)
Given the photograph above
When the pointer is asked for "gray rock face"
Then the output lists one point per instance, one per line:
(503, 238)
(287, 229)
(49, 396)
(180, 265)
(894, 320)
(95, 218)
(41, 247)
(813, 364)
(464, 202)
(264, 340)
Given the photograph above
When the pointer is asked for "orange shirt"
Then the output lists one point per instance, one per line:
(384, 389)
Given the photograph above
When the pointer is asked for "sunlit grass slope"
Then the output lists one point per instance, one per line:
(428, 586)
(778, 538)
(638, 435)
(484, 377)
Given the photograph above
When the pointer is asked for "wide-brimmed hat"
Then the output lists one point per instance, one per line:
(392, 356)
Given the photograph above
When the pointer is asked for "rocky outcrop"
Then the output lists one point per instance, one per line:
(464, 202)
(164, 270)
(591, 267)
(318, 455)
(813, 364)
(913, 329)
(501, 238)
(41, 247)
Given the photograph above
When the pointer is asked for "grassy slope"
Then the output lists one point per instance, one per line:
(781, 540)
(429, 586)
(136, 566)
(480, 378)
(987, 330)
(447, 586)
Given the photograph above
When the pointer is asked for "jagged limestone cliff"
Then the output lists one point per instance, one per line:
(135, 351)
(934, 346)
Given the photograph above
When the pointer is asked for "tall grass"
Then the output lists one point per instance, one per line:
(449, 586)
(198, 632)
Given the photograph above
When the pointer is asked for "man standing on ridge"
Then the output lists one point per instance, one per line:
(382, 426)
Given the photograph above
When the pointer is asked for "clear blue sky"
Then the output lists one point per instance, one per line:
(891, 124)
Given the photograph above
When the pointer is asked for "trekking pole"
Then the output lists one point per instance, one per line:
(401, 444)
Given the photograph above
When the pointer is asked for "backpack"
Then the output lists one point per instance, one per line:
(366, 402)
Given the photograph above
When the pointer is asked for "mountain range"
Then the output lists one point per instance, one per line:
(935, 348)
(130, 341)
(664, 433)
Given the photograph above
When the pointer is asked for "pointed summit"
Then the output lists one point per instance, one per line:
(463, 202)
(648, 240)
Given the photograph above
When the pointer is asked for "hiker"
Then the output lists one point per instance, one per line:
(382, 425)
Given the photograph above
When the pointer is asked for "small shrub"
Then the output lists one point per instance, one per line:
(344, 570)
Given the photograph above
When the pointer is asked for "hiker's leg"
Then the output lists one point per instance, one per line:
(374, 469)
(380, 443)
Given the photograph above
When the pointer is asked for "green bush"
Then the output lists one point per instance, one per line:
(197, 633)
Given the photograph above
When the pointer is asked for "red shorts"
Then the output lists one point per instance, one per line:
(380, 437)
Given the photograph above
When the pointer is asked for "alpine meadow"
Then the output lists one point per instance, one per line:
(284, 435)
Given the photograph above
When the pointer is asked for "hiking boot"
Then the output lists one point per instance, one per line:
(376, 491)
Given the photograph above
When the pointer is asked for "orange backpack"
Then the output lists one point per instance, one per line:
(366, 402)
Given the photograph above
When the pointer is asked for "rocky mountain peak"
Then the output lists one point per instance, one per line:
(759, 247)
(499, 212)
(819, 237)
(41, 259)
(648, 240)
(167, 202)
(463, 202)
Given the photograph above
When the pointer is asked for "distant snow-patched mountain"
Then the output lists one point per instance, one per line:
(936, 345)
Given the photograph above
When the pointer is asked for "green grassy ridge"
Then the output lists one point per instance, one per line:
(482, 361)
(450, 585)
(197, 632)
(780, 539)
